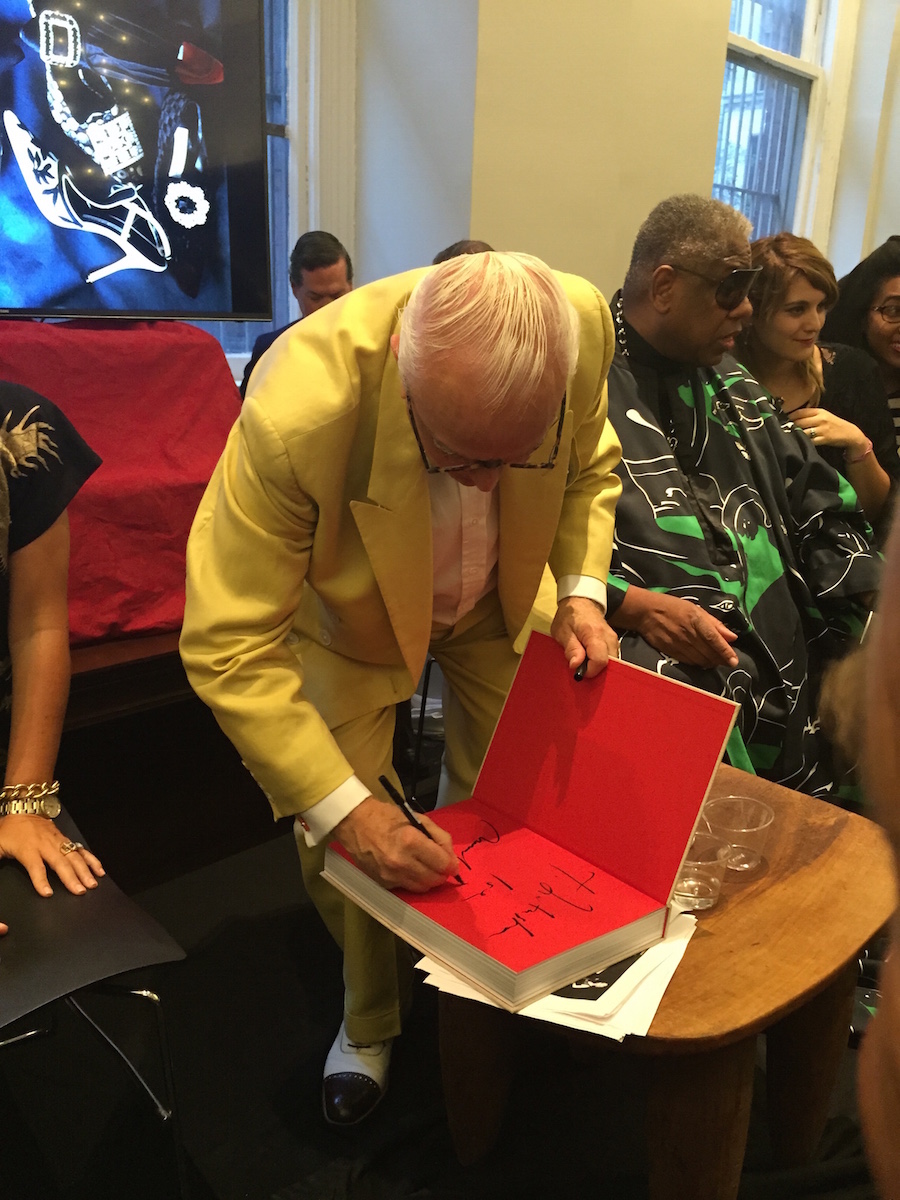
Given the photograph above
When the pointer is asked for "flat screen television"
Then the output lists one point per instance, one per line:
(133, 159)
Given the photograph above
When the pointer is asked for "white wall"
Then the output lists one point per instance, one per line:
(415, 114)
(588, 112)
(883, 217)
(867, 197)
(584, 114)
(555, 127)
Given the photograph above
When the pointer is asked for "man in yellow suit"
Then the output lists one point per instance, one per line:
(407, 461)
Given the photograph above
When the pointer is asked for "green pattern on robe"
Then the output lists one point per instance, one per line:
(728, 505)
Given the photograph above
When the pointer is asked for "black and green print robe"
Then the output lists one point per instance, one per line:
(727, 504)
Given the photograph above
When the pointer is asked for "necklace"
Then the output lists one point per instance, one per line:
(665, 403)
(619, 318)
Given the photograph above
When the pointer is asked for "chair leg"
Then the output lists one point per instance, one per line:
(168, 1111)
(23, 1037)
(162, 1111)
(47, 1018)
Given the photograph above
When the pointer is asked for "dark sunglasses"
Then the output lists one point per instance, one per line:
(730, 291)
(488, 464)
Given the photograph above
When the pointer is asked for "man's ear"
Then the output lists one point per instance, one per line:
(662, 286)
(395, 344)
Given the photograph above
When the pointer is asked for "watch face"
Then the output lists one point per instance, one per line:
(50, 807)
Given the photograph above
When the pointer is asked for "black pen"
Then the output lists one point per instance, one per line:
(403, 804)
(581, 669)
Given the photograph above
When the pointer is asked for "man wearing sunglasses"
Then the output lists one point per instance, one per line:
(740, 556)
(403, 468)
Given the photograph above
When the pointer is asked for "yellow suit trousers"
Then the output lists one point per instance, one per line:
(478, 662)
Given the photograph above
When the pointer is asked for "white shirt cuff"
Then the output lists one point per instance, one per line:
(319, 820)
(581, 585)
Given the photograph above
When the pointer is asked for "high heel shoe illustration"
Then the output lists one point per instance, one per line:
(125, 219)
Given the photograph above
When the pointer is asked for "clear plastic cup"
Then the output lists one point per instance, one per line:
(701, 874)
(742, 822)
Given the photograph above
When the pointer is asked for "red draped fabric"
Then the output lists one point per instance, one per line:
(156, 400)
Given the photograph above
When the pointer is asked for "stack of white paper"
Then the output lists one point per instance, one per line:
(613, 1009)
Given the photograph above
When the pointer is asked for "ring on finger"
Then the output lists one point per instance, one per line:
(68, 847)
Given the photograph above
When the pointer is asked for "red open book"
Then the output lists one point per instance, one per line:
(570, 846)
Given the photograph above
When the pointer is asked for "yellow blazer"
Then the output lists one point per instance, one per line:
(309, 569)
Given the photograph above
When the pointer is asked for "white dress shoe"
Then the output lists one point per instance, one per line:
(355, 1079)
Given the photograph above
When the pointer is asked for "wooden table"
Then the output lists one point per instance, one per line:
(777, 955)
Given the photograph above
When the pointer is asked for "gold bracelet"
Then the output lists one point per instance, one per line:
(30, 800)
(29, 791)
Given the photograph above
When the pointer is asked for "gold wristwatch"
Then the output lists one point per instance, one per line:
(30, 800)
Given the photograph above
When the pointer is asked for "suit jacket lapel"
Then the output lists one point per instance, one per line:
(394, 523)
(530, 506)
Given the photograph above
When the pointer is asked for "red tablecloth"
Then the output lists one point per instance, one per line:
(156, 400)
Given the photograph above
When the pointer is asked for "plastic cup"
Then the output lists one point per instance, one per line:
(743, 823)
(701, 874)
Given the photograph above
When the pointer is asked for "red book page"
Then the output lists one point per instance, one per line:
(523, 899)
(614, 768)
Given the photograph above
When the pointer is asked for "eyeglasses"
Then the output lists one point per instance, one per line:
(889, 312)
(488, 464)
(730, 291)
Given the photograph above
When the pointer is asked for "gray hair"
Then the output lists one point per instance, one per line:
(507, 312)
(686, 229)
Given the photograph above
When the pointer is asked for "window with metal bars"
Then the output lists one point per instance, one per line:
(763, 116)
(777, 24)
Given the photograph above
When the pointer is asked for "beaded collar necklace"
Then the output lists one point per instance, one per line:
(722, 395)
(619, 318)
(665, 404)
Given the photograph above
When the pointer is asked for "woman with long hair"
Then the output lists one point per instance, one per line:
(832, 392)
(867, 315)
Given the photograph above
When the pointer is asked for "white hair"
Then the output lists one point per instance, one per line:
(508, 313)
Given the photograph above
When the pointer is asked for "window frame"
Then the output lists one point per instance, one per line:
(826, 61)
(278, 254)
(320, 132)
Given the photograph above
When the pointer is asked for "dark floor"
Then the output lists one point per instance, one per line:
(251, 1012)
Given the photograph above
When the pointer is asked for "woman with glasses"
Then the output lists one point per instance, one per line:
(832, 392)
(867, 315)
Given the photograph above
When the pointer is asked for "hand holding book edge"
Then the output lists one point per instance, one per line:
(588, 642)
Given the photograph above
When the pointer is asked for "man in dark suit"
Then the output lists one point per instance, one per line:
(321, 271)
